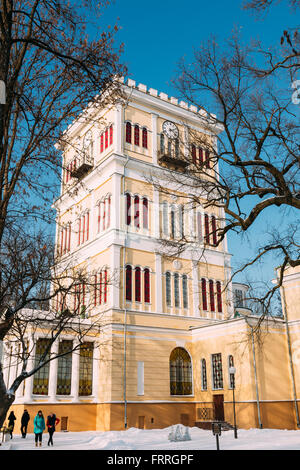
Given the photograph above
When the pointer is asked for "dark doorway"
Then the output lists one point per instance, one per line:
(219, 407)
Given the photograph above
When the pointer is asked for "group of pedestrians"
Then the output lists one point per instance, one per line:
(39, 426)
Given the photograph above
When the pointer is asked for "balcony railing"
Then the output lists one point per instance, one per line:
(82, 164)
(172, 159)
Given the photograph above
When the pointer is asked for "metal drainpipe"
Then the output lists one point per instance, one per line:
(290, 355)
(256, 381)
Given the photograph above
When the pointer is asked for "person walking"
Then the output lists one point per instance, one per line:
(38, 428)
(52, 421)
(11, 423)
(24, 423)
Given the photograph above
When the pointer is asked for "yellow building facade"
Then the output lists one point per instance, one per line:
(168, 332)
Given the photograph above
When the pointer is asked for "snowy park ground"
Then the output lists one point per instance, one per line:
(157, 440)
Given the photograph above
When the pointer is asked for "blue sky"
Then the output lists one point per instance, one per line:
(157, 34)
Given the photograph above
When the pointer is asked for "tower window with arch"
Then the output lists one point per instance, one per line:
(184, 291)
(144, 138)
(176, 290)
(204, 294)
(168, 289)
(147, 285)
(128, 133)
(231, 376)
(219, 296)
(128, 286)
(138, 284)
(211, 296)
(136, 135)
(217, 371)
(180, 372)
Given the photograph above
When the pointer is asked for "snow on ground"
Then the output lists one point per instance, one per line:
(157, 439)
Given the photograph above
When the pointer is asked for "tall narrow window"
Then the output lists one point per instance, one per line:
(206, 227)
(87, 225)
(217, 371)
(64, 368)
(176, 290)
(204, 294)
(145, 138)
(103, 214)
(176, 148)
(170, 147)
(79, 231)
(136, 211)
(200, 157)
(41, 377)
(106, 138)
(162, 144)
(194, 157)
(184, 291)
(147, 285)
(128, 132)
(207, 159)
(129, 283)
(100, 288)
(172, 223)
(199, 227)
(136, 135)
(105, 286)
(83, 228)
(137, 284)
(85, 369)
(214, 230)
(181, 221)
(69, 239)
(128, 209)
(203, 375)
(101, 143)
(111, 135)
(211, 295)
(165, 219)
(219, 296)
(99, 217)
(108, 211)
(168, 289)
(145, 213)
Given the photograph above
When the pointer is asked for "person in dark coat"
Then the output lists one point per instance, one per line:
(11, 423)
(24, 423)
(52, 421)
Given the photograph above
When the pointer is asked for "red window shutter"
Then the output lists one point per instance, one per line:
(145, 138)
(129, 283)
(128, 208)
(219, 296)
(105, 286)
(207, 161)
(137, 212)
(101, 143)
(200, 156)
(204, 294)
(206, 225)
(194, 158)
(145, 213)
(211, 296)
(111, 135)
(214, 229)
(128, 132)
(137, 284)
(147, 285)
(87, 225)
(95, 289)
(136, 135)
(100, 289)
(106, 138)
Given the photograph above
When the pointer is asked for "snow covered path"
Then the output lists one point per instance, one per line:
(157, 439)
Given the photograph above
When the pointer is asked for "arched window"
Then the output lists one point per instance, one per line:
(136, 211)
(145, 138)
(184, 291)
(165, 219)
(101, 143)
(203, 375)
(181, 221)
(206, 227)
(111, 135)
(204, 294)
(105, 286)
(137, 284)
(136, 135)
(172, 222)
(214, 230)
(180, 372)
(108, 211)
(129, 283)
(176, 148)
(200, 157)
(145, 213)
(168, 289)
(147, 285)
(194, 158)
(199, 226)
(106, 137)
(176, 290)
(128, 132)
(128, 209)
(103, 214)
(207, 159)
(211, 295)
(219, 296)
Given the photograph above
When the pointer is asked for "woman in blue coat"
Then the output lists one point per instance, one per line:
(38, 428)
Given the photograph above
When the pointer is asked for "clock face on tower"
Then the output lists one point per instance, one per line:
(170, 130)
